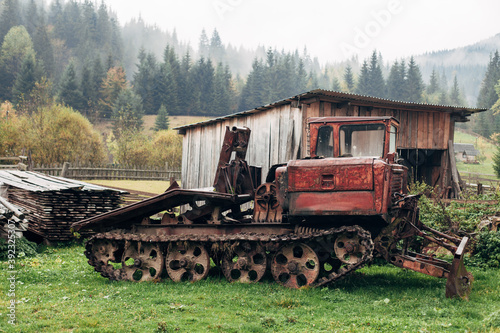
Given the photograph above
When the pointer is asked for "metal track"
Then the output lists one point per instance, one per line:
(121, 237)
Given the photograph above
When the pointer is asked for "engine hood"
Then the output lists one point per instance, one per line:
(331, 174)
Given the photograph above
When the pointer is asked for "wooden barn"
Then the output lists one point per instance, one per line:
(280, 133)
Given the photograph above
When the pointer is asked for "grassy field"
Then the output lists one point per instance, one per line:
(149, 186)
(486, 149)
(149, 122)
(57, 291)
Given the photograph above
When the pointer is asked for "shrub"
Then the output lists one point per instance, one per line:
(454, 216)
(57, 134)
(487, 249)
(132, 147)
(10, 130)
(23, 248)
(167, 149)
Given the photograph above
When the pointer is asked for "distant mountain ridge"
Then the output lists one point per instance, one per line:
(467, 62)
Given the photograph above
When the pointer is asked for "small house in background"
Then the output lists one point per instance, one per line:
(280, 133)
(52, 204)
(466, 152)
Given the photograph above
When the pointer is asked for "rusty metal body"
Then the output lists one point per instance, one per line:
(313, 221)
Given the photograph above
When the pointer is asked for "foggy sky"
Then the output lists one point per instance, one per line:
(332, 30)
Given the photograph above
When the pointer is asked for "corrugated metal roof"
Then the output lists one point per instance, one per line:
(342, 97)
(38, 182)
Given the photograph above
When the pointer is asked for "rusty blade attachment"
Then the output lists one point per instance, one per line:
(459, 283)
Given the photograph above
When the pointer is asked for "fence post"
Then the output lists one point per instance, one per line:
(65, 168)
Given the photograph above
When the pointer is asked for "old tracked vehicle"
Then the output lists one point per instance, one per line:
(312, 221)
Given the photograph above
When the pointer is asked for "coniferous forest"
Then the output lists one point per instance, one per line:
(76, 53)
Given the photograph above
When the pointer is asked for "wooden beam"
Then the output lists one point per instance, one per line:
(454, 171)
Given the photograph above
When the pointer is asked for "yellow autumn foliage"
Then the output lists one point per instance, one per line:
(54, 134)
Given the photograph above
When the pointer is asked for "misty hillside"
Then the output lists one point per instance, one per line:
(468, 63)
(79, 50)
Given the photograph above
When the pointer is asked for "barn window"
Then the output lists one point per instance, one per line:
(324, 146)
(362, 140)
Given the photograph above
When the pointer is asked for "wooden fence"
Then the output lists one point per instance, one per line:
(109, 172)
(487, 182)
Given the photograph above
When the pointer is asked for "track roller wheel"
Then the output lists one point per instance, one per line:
(348, 248)
(102, 254)
(142, 262)
(104, 251)
(187, 262)
(295, 265)
(325, 251)
(247, 263)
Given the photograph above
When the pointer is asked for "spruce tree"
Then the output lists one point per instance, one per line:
(286, 72)
(433, 86)
(414, 82)
(324, 80)
(222, 91)
(376, 83)
(363, 86)
(162, 121)
(216, 49)
(144, 80)
(496, 159)
(98, 75)
(86, 85)
(173, 67)
(349, 79)
(252, 93)
(164, 88)
(69, 90)
(43, 47)
(300, 78)
(335, 86)
(204, 45)
(127, 112)
(487, 94)
(26, 79)
(104, 27)
(185, 92)
(455, 98)
(31, 17)
(9, 16)
(205, 74)
(395, 82)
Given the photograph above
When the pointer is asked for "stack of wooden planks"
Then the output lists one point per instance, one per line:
(54, 203)
(12, 220)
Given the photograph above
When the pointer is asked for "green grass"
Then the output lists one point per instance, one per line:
(57, 291)
(486, 148)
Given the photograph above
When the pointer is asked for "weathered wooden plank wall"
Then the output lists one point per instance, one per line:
(275, 138)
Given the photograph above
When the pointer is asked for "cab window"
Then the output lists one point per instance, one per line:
(392, 139)
(324, 145)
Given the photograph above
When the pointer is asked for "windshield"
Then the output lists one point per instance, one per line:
(362, 140)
